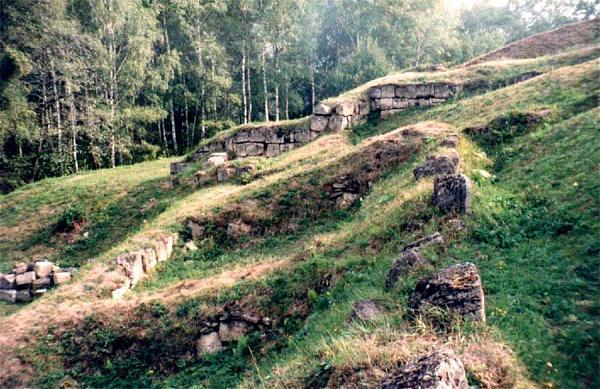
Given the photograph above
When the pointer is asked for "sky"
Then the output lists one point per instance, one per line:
(469, 3)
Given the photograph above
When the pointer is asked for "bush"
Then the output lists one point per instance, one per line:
(70, 218)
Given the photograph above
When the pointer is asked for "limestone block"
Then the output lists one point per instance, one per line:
(226, 174)
(375, 93)
(376, 104)
(424, 103)
(239, 150)
(345, 108)
(23, 296)
(41, 283)
(149, 260)
(255, 149)
(319, 123)
(452, 193)
(120, 292)
(216, 159)
(338, 123)
(132, 265)
(435, 166)
(201, 178)
(19, 268)
(407, 91)
(441, 91)
(404, 265)
(163, 248)
(272, 150)
(362, 108)
(425, 90)
(366, 310)
(457, 288)
(275, 136)
(208, 344)
(196, 229)
(322, 109)
(433, 239)
(346, 200)
(413, 102)
(238, 229)
(8, 295)
(437, 101)
(440, 369)
(400, 103)
(61, 277)
(24, 279)
(7, 281)
(42, 268)
(388, 91)
(230, 332)
(386, 104)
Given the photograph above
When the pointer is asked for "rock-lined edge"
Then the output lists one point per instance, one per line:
(136, 265)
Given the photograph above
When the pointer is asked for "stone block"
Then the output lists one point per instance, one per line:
(338, 123)
(255, 149)
(440, 369)
(388, 91)
(437, 101)
(375, 93)
(19, 268)
(322, 109)
(407, 91)
(132, 266)
(429, 240)
(346, 200)
(450, 141)
(61, 277)
(149, 260)
(40, 283)
(386, 104)
(163, 248)
(425, 90)
(275, 136)
(319, 123)
(456, 288)
(441, 91)
(197, 230)
(23, 296)
(8, 295)
(366, 310)
(290, 146)
(399, 103)
(24, 279)
(42, 268)
(239, 149)
(225, 174)
(120, 292)
(362, 108)
(233, 331)
(424, 102)
(39, 292)
(7, 281)
(208, 344)
(452, 193)
(345, 108)
(405, 265)
(435, 166)
(216, 159)
(272, 150)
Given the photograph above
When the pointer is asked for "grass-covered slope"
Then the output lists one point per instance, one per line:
(533, 233)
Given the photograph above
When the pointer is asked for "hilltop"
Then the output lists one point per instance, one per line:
(281, 232)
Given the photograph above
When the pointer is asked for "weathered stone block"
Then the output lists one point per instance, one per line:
(386, 104)
(322, 109)
(338, 123)
(452, 193)
(19, 268)
(226, 174)
(440, 369)
(239, 150)
(346, 200)
(41, 283)
(132, 265)
(442, 91)
(275, 136)
(8, 295)
(319, 123)
(23, 296)
(197, 230)
(400, 103)
(216, 159)
(290, 146)
(149, 260)
(345, 108)
(163, 248)
(302, 136)
(61, 277)
(231, 332)
(388, 91)
(238, 229)
(42, 268)
(450, 141)
(362, 108)
(375, 93)
(457, 288)
(208, 344)
(255, 149)
(24, 279)
(7, 281)
(436, 165)
(424, 103)
(366, 310)
(120, 292)
(404, 265)
(425, 90)
(272, 150)
(433, 239)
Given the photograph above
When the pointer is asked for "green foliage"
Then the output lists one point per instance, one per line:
(73, 215)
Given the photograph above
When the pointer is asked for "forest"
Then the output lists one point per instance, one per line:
(89, 84)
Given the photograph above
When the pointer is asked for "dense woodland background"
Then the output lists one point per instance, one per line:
(87, 84)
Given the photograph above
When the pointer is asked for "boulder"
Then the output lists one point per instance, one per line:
(24, 279)
(319, 123)
(238, 229)
(8, 295)
(452, 193)
(346, 200)
(120, 292)
(19, 268)
(149, 260)
(197, 230)
(190, 246)
(7, 281)
(366, 310)
(42, 268)
(403, 265)
(436, 165)
(164, 248)
(132, 265)
(440, 369)
(435, 238)
(456, 288)
(322, 109)
(345, 108)
(61, 277)
(23, 296)
(225, 174)
(41, 283)
(216, 159)
(232, 331)
(208, 344)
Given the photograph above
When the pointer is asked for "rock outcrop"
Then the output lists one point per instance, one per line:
(436, 165)
(452, 193)
(366, 310)
(28, 281)
(440, 369)
(404, 265)
(390, 99)
(456, 288)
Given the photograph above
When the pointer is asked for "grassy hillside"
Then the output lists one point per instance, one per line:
(533, 233)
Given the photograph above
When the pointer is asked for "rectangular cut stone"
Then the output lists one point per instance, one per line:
(362, 108)
(272, 150)
(7, 281)
(20, 268)
(42, 268)
(275, 136)
(345, 109)
(437, 101)
(413, 102)
(8, 295)
(255, 149)
(41, 282)
(409, 91)
(23, 296)
(302, 136)
(338, 123)
(376, 104)
(375, 93)
(425, 90)
(322, 109)
(149, 260)
(441, 91)
(388, 91)
(25, 278)
(61, 277)
(400, 103)
(319, 123)
(386, 104)
(240, 150)
(259, 135)
(164, 248)
(424, 103)
(287, 147)
(132, 266)
(242, 136)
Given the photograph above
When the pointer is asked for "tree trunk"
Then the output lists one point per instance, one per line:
(171, 110)
(265, 91)
(287, 97)
(244, 102)
(276, 84)
(72, 123)
(312, 89)
(57, 114)
(44, 130)
(248, 89)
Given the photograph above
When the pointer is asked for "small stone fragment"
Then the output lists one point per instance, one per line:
(61, 277)
(208, 344)
(230, 332)
(428, 240)
(407, 262)
(457, 288)
(452, 193)
(366, 310)
(440, 370)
